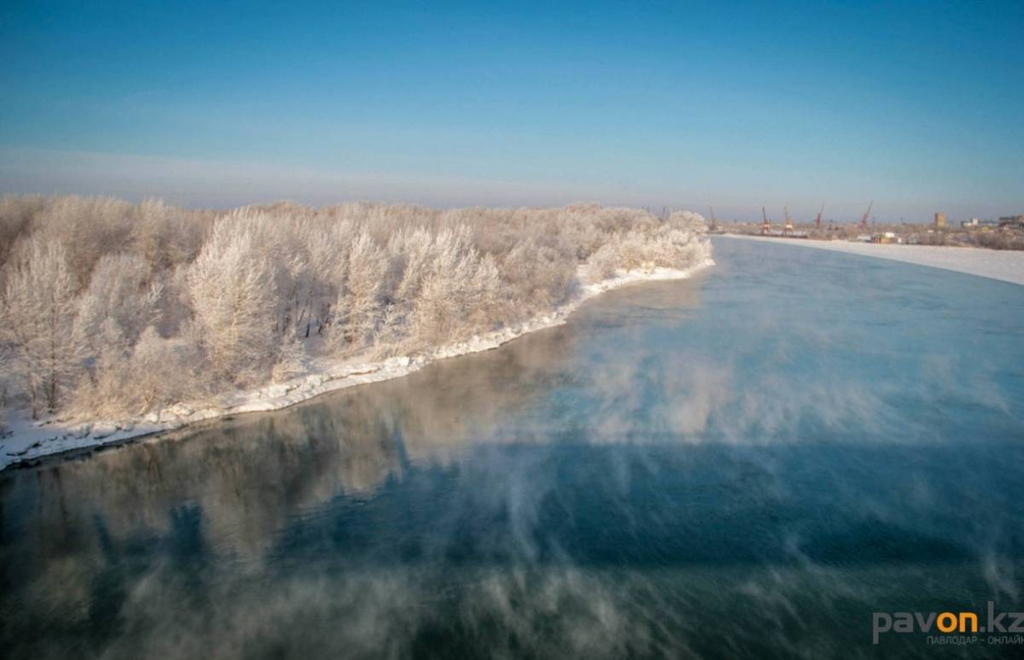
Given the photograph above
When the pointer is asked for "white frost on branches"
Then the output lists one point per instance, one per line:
(110, 308)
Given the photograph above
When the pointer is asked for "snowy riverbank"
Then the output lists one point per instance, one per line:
(1003, 265)
(25, 441)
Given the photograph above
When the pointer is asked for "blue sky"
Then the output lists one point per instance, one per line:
(917, 105)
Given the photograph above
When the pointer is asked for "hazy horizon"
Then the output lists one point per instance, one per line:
(733, 106)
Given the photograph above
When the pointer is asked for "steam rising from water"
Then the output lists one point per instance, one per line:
(685, 469)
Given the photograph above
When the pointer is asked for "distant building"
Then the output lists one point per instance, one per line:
(940, 219)
(1014, 221)
(973, 222)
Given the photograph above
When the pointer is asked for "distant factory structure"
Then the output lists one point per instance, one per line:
(977, 222)
(940, 219)
(1007, 221)
(885, 238)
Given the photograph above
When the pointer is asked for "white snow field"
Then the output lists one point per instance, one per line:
(28, 441)
(1003, 265)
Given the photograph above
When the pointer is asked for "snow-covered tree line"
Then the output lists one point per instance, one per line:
(110, 308)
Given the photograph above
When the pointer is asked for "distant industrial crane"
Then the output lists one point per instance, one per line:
(864, 220)
(788, 227)
(714, 220)
(817, 219)
(766, 228)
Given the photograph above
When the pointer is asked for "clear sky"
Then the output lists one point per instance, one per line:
(917, 105)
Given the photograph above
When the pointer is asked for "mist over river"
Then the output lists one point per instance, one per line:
(748, 463)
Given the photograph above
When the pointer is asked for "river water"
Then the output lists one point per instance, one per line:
(745, 464)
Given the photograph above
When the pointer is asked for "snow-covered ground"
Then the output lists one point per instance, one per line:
(28, 441)
(1004, 265)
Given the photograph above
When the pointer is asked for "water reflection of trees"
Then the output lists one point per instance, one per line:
(72, 531)
(88, 538)
(242, 480)
(248, 475)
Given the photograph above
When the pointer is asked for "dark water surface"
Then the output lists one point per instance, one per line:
(746, 464)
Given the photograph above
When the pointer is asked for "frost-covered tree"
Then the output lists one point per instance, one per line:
(5, 384)
(323, 258)
(165, 371)
(291, 359)
(166, 236)
(459, 293)
(125, 309)
(413, 253)
(603, 263)
(233, 297)
(110, 387)
(39, 314)
(16, 215)
(359, 304)
(89, 227)
(120, 290)
(539, 277)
